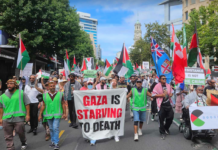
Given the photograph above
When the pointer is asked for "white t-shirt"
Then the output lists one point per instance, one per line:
(32, 93)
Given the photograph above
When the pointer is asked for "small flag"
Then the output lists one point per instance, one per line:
(107, 68)
(68, 61)
(74, 63)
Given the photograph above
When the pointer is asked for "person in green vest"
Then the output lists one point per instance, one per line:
(138, 104)
(53, 109)
(14, 108)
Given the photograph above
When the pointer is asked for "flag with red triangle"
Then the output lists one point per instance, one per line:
(74, 63)
(23, 56)
(117, 59)
(68, 61)
(107, 68)
(96, 67)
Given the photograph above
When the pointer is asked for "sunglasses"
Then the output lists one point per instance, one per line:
(163, 78)
(32, 78)
(200, 90)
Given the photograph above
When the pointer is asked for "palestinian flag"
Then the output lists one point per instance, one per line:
(23, 56)
(124, 66)
(66, 69)
(117, 59)
(88, 64)
(74, 63)
(96, 67)
(68, 61)
(212, 98)
(208, 73)
(107, 68)
(137, 67)
(194, 52)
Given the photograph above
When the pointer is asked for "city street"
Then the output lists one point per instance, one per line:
(71, 139)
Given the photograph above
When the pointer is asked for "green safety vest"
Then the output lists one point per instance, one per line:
(53, 108)
(139, 101)
(14, 106)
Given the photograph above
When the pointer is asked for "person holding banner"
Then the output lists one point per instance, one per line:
(12, 116)
(163, 93)
(138, 103)
(52, 109)
(69, 87)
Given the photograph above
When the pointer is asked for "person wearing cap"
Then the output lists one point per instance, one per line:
(53, 110)
(14, 108)
(85, 85)
(102, 85)
(122, 83)
(138, 104)
(23, 82)
(56, 83)
(69, 87)
(32, 93)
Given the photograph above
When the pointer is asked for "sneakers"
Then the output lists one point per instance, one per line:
(35, 131)
(167, 132)
(47, 137)
(152, 118)
(116, 138)
(23, 146)
(136, 137)
(163, 136)
(139, 131)
(56, 147)
(92, 142)
(51, 145)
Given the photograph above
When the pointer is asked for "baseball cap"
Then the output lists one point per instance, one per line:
(139, 80)
(102, 78)
(85, 80)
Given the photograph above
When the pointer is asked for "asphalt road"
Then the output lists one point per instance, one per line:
(71, 139)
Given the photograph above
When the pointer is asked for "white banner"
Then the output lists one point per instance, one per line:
(145, 65)
(203, 118)
(101, 112)
(27, 71)
(194, 76)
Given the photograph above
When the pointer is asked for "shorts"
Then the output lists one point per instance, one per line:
(139, 116)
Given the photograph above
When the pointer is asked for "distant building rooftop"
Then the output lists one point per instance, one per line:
(168, 1)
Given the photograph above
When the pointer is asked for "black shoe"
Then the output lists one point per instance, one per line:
(34, 131)
(31, 130)
(167, 132)
(163, 136)
(70, 125)
(75, 126)
(51, 145)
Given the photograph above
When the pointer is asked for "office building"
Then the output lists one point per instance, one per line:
(98, 50)
(93, 43)
(89, 25)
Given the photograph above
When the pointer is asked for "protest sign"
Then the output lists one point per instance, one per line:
(27, 71)
(101, 112)
(145, 65)
(203, 118)
(194, 76)
(90, 73)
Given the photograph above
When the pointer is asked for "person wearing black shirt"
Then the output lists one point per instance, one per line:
(122, 83)
(210, 87)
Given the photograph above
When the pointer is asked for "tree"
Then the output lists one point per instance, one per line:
(47, 27)
(160, 33)
(101, 63)
(141, 50)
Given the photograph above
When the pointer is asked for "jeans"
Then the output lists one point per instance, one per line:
(139, 116)
(54, 129)
(34, 115)
(72, 111)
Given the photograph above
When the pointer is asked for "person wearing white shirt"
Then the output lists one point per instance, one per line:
(32, 93)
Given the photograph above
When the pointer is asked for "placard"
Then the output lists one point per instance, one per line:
(101, 113)
(145, 65)
(27, 71)
(90, 73)
(194, 76)
(203, 118)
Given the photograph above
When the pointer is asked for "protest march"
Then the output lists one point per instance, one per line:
(68, 99)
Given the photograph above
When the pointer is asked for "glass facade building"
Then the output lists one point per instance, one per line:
(89, 25)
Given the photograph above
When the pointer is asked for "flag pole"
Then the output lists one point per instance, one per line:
(18, 54)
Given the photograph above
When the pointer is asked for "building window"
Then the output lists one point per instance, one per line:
(186, 15)
(193, 1)
(186, 2)
(202, 0)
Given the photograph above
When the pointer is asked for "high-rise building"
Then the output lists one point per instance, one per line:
(89, 25)
(93, 43)
(137, 32)
(98, 52)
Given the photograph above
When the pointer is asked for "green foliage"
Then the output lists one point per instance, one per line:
(101, 63)
(206, 20)
(160, 33)
(47, 26)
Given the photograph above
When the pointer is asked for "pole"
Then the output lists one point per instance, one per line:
(21, 71)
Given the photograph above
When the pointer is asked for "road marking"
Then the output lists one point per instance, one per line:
(61, 133)
(69, 121)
